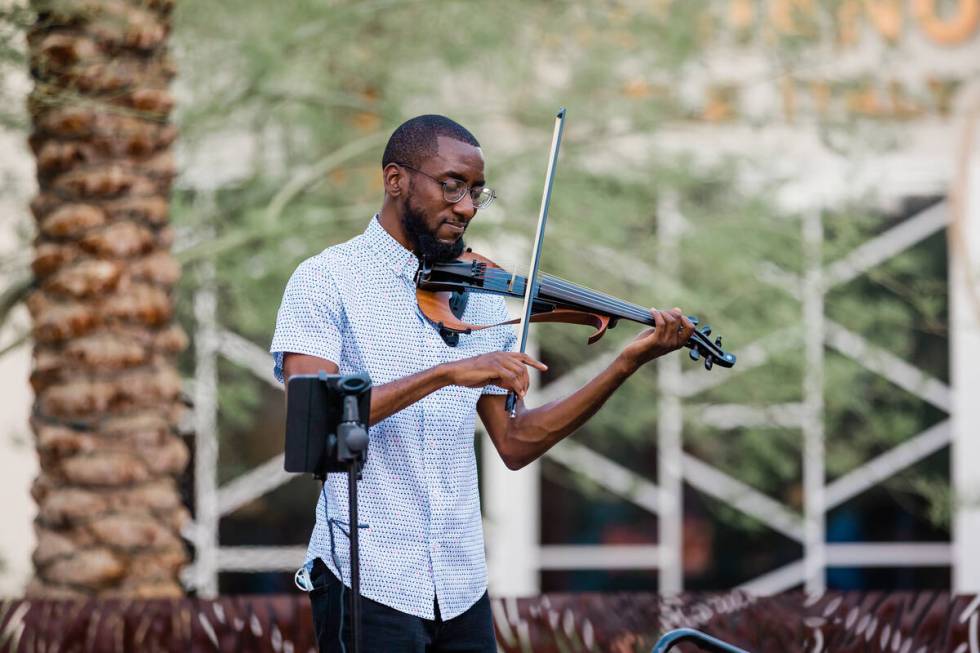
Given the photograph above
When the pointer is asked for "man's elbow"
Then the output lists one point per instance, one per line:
(521, 447)
(514, 460)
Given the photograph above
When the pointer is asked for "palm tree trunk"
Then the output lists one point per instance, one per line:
(107, 391)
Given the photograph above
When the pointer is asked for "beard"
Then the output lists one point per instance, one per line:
(427, 246)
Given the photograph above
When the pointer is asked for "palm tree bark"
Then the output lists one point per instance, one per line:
(107, 391)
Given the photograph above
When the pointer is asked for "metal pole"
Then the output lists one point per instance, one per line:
(512, 515)
(355, 561)
(815, 554)
(964, 272)
(206, 434)
(670, 424)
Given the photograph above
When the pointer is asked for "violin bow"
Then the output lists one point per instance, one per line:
(532, 277)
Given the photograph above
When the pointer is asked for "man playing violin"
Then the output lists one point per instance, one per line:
(352, 308)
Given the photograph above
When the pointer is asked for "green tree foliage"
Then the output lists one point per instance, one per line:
(284, 109)
(301, 96)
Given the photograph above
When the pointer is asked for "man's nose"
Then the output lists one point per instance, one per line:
(465, 207)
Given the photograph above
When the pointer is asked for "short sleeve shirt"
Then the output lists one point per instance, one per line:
(354, 304)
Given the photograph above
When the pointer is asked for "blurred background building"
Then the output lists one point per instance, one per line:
(803, 175)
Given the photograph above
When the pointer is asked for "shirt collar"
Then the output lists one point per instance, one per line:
(389, 250)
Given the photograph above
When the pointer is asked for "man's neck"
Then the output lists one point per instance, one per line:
(392, 223)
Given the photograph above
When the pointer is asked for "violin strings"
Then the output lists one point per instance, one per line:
(572, 292)
(640, 314)
(626, 308)
(569, 291)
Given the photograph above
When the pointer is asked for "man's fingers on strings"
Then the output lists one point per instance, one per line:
(658, 320)
(679, 317)
(687, 329)
(669, 332)
(678, 325)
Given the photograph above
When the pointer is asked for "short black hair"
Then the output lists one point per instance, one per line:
(415, 140)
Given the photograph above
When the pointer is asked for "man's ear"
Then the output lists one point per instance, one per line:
(395, 180)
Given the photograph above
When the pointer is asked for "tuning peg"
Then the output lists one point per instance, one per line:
(706, 330)
(694, 354)
(693, 320)
(708, 362)
(718, 342)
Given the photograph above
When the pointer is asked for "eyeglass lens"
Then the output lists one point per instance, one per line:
(453, 190)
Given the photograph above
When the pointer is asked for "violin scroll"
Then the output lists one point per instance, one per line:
(702, 347)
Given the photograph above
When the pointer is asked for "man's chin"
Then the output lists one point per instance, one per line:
(428, 244)
(448, 250)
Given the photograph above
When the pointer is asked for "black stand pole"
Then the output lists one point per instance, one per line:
(355, 563)
(352, 444)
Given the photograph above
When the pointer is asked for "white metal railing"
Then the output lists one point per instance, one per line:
(816, 332)
(677, 389)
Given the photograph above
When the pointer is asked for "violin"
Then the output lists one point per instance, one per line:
(442, 291)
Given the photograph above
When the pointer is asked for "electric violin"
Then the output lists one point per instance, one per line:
(442, 291)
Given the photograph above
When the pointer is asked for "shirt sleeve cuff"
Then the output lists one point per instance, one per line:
(278, 356)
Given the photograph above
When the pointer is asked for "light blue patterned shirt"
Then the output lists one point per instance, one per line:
(354, 304)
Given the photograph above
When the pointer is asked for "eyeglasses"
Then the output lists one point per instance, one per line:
(453, 190)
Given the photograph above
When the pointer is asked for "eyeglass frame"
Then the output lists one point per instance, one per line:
(466, 188)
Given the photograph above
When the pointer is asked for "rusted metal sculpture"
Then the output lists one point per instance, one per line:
(872, 622)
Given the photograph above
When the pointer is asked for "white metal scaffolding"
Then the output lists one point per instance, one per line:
(512, 499)
(818, 334)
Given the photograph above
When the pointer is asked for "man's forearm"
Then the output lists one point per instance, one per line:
(506, 369)
(535, 431)
(388, 399)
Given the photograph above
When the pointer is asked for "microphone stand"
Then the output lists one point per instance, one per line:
(352, 442)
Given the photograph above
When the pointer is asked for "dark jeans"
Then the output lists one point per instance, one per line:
(386, 630)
